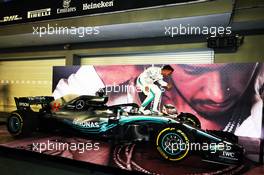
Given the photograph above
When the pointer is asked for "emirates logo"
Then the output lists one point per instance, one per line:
(66, 3)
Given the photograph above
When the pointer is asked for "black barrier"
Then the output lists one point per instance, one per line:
(22, 11)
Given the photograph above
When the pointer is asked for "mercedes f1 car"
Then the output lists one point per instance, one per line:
(175, 135)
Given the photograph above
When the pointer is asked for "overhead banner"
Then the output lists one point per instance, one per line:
(30, 11)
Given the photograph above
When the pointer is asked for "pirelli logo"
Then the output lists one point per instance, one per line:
(39, 13)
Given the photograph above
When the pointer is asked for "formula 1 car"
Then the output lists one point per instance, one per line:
(176, 135)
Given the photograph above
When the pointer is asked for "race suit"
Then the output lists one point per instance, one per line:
(148, 79)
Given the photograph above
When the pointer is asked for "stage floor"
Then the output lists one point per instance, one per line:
(138, 157)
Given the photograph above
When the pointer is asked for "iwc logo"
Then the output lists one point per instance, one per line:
(66, 7)
(172, 144)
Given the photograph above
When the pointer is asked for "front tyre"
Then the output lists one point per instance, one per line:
(173, 143)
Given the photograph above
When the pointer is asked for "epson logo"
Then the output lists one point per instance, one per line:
(39, 13)
(66, 7)
(23, 104)
(11, 18)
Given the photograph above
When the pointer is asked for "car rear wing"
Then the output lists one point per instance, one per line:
(26, 102)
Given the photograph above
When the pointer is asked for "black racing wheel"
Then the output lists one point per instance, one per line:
(22, 123)
(173, 143)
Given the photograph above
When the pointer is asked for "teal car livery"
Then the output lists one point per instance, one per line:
(176, 136)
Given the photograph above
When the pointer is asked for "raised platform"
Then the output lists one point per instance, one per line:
(131, 157)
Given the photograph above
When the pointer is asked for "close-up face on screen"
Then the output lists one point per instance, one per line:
(131, 87)
(213, 89)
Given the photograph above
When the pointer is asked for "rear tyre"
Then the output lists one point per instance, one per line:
(22, 123)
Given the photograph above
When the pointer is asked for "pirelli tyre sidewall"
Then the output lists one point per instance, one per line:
(22, 123)
(172, 143)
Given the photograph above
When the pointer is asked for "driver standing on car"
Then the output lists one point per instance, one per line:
(150, 82)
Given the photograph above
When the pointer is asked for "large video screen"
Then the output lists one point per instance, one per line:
(223, 96)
